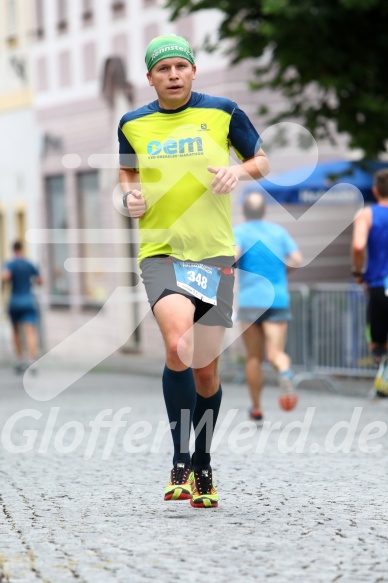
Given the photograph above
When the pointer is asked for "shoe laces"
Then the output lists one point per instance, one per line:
(203, 481)
(180, 473)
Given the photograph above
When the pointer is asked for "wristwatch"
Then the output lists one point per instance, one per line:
(125, 199)
(357, 274)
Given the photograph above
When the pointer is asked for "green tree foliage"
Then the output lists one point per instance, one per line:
(327, 57)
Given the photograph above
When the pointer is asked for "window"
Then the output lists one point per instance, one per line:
(89, 62)
(64, 69)
(150, 31)
(118, 8)
(39, 19)
(58, 252)
(20, 220)
(11, 20)
(185, 27)
(87, 10)
(120, 46)
(62, 15)
(93, 283)
(41, 74)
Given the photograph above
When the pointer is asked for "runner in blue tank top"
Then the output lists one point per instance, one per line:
(370, 265)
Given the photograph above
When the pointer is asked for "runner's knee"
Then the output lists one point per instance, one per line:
(206, 381)
(179, 348)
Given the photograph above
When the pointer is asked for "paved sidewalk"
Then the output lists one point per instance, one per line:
(318, 514)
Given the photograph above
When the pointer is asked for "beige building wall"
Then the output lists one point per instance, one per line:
(19, 140)
(19, 144)
(15, 69)
(72, 55)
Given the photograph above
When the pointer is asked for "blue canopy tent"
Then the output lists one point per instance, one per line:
(307, 184)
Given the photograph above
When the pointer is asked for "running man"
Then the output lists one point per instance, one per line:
(21, 274)
(176, 178)
(265, 252)
(370, 267)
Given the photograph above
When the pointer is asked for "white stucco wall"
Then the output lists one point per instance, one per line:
(19, 171)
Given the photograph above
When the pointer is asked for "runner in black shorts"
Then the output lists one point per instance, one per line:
(370, 268)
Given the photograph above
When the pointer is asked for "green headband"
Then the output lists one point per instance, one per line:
(164, 47)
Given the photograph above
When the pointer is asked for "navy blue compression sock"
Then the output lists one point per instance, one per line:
(208, 409)
(180, 398)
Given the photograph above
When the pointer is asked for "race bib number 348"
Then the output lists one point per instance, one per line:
(198, 279)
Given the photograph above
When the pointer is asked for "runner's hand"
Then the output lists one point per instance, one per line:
(225, 179)
(136, 204)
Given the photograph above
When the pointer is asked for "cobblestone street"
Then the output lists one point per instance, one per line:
(84, 502)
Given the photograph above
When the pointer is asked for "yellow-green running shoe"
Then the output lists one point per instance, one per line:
(381, 380)
(204, 494)
(179, 487)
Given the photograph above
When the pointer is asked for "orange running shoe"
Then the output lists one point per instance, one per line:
(288, 399)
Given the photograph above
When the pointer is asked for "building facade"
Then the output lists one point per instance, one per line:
(88, 70)
(19, 141)
(88, 60)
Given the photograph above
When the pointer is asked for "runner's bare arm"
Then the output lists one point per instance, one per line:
(6, 275)
(361, 227)
(294, 260)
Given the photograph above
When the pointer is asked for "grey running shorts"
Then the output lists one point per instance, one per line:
(159, 279)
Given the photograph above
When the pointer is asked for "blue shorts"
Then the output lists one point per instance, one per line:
(26, 315)
(259, 315)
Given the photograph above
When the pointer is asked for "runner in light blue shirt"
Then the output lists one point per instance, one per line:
(265, 251)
